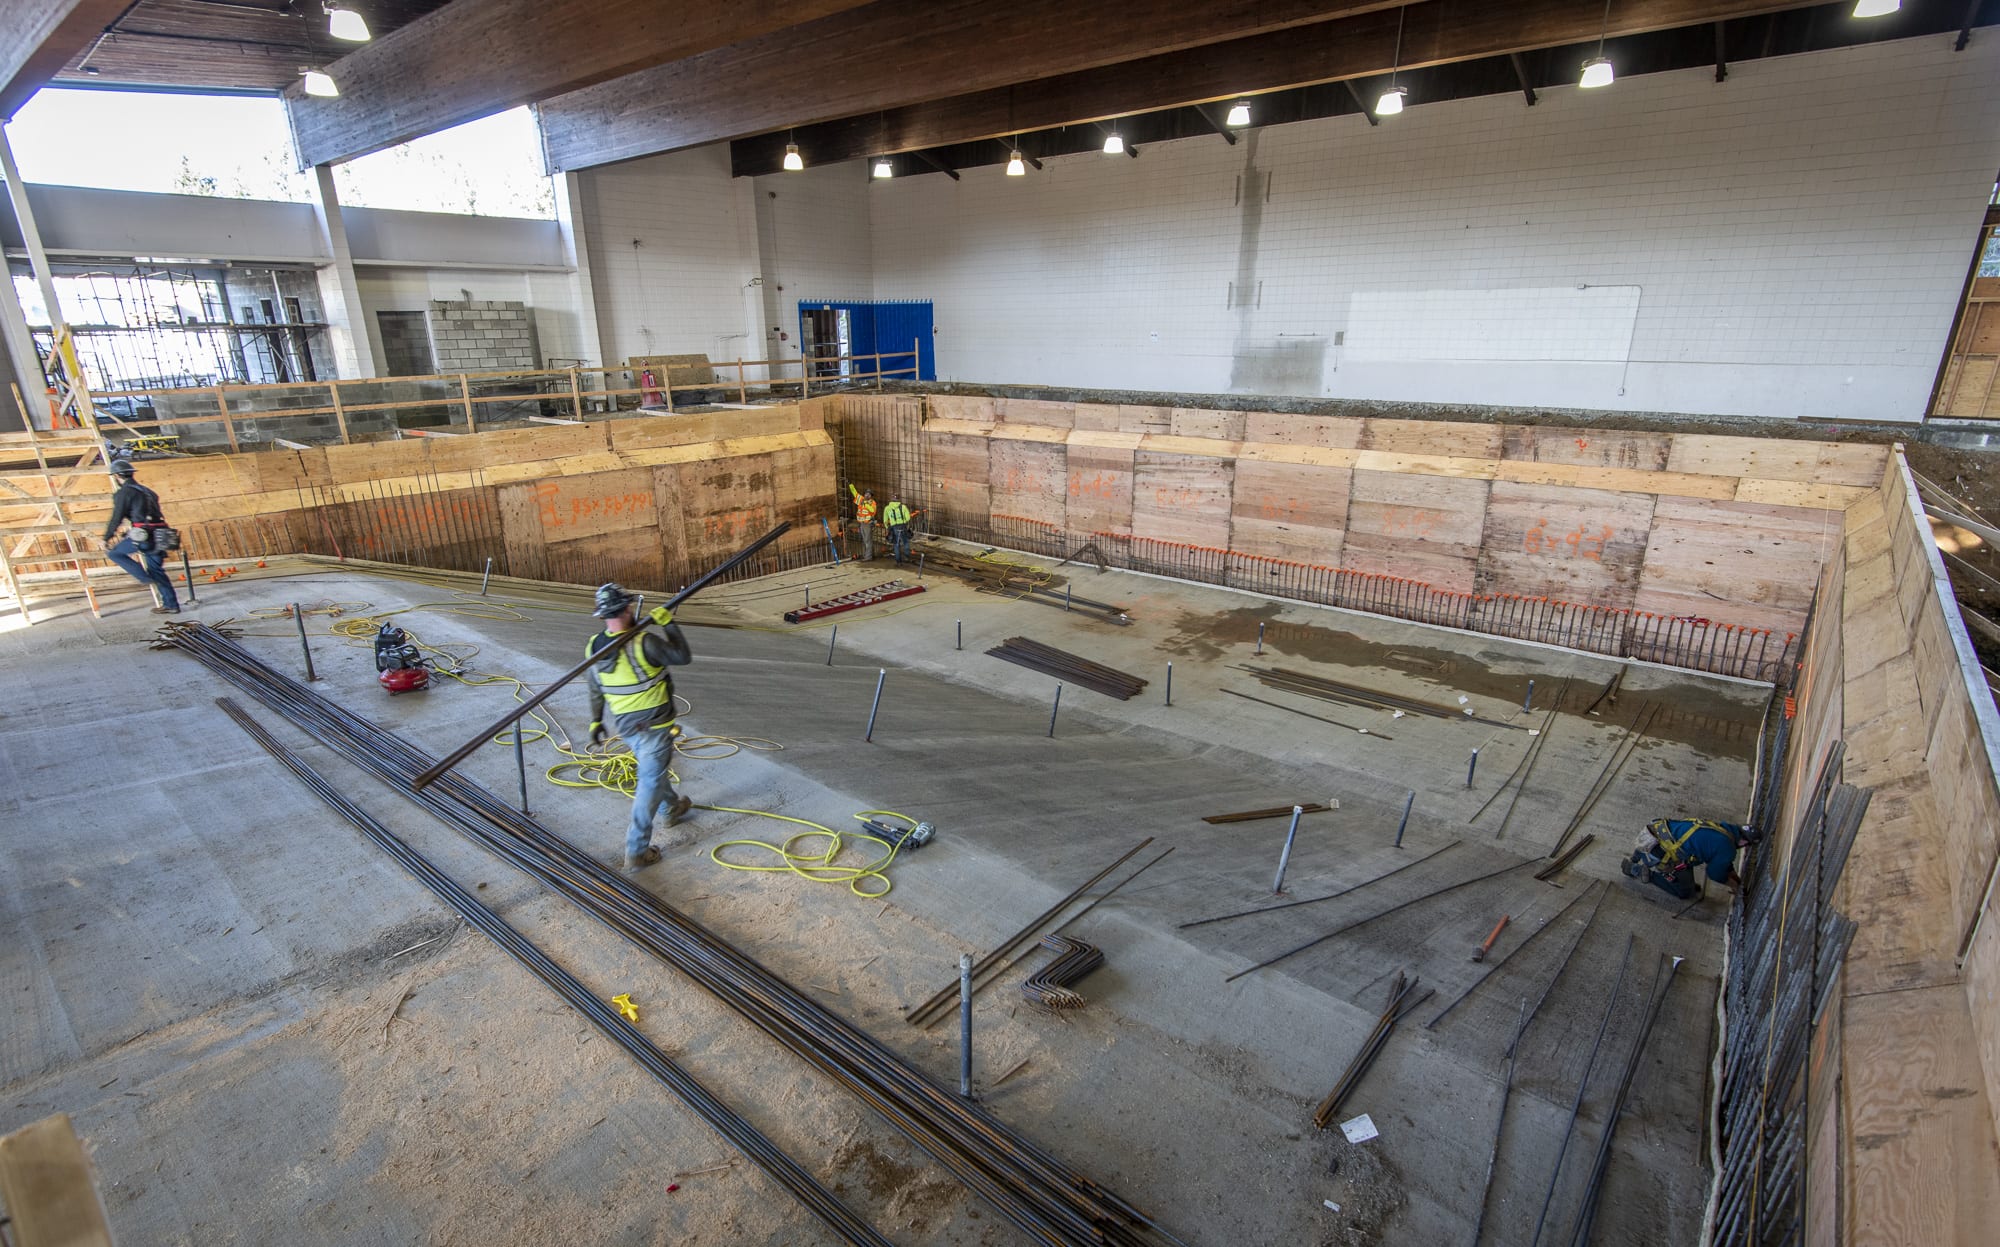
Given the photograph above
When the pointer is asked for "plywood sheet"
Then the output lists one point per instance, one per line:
(1968, 807)
(1284, 428)
(1421, 528)
(1029, 480)
(1452, 439)
(521, 531)
(724, 504)
(48, 1189)
(1596, 448)
(1921, 1165)
(1221, 426)
(1735, 562)
(961, 488)
(612, 556)
(570, 507)
(1289, 511)
(1123, 418)
(1100, 490)
(1760, 458)
(1898, 889)
(1182, 499)
(961, 407)
(1982, 995)
(1576, 545)
(1036, 412)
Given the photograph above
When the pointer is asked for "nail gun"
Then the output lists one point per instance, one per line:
(913, 837)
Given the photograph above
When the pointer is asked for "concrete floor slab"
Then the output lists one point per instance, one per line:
(278, 1068)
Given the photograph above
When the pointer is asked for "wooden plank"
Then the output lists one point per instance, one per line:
(1123, 418)
(1619, 480)
(1100, 489)
(521, 531)
(1290, 511)
(1982, 995)
(1029, 480)
(1421, 528)
(753, 86)
(49, 1189)
(962, 407)
(1921, 1165)
(1349, 47)
(1759, 458)
(1339, 432)
(1433, 439)
(1223, 426)
(420, 79)
(1596, 448)
(1901, 899)
(1738, 563)
(571, 507)
(1182, 499)
(1023, 411)
(1576, 545)
(961, 487)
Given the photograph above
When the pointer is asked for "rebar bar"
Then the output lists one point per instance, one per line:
(1494, 968)
(1576, 1104)
(1499, 1127)
(1285, 856)
(1314, 900)
(1594, 1185)
(881, 678)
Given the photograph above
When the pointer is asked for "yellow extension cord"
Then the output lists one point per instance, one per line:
(614, 770)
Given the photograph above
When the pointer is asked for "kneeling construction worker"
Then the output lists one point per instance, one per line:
(1671, 849)
(634, 686)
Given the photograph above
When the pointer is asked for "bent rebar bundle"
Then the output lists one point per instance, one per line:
(1067, 667)
(1037, 1193)
(1050, 987)
(747, 1139)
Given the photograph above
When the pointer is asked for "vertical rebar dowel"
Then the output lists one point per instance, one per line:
(1054, 709)
(187, 575)
(965, 1025)
(1170, 684)
(1066, 591)
(305, 646)
(1404, 825)
(1528, 702)
(961, 635)
(881, 674)
(521, 765)
(1471, 765)
(1260, 640)
(486, 577)
(831, 638)
(920, 567)
(1285, 857)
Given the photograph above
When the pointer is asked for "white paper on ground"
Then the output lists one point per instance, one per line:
(1359, 1129)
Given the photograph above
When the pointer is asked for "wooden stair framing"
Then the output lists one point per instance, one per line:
(40, 503)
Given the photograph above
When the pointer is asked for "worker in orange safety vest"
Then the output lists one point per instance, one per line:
(864, 519)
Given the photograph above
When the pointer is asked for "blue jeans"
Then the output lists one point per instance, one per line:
(151, 573)
(654, 750)
(899, 537)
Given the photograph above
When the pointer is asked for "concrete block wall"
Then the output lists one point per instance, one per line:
(1790, 242)
(548, 295)
(483, 335)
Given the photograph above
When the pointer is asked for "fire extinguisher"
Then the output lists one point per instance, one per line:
(648, 396)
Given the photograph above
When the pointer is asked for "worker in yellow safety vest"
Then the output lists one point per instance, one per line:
(897, 517)
(634, 686)
(864, 519)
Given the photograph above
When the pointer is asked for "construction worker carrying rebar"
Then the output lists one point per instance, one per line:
(635, 687)
(897, 517)
(1670, 849)
(864, 519)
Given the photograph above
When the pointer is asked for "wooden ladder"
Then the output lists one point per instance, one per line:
(42, 503)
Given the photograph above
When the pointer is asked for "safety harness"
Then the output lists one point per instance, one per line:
(1671, 844)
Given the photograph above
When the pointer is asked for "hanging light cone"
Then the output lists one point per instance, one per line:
(1114, 144)
(883, 169)
(1596, 73)
(1239, 114)
(1391, 102)
(1016, 167)
(793, 161)
(346, 24)
(320, 83)
(1876, 8)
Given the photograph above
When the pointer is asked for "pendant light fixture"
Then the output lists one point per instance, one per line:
(1391, 102)
(1239, 114)
(1114, 143)
(345, 23)
(883, 169)
(321, 84)
(1016, 165)
(1876, 8)
(1597, 70)
(793, 161)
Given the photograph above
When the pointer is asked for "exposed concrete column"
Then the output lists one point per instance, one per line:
(570, 194)
(349, 333)
(20, 345)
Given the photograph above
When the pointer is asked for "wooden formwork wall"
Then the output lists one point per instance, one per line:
(1733, 529)
(649, 500)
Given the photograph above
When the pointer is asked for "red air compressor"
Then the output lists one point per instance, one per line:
(403, 669)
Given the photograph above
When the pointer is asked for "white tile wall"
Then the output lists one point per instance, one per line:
(1794, 239)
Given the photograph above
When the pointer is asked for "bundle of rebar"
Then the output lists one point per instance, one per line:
(1050, 987)
(746, 1138)
(1028, 1187)
(1067, 667)
(1403, 1001)
(1614, 762)
(1787, 944)
(1308, 685)
(1025, 581)
(1275, 811)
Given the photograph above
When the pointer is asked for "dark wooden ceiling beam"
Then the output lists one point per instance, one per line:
(1521, 75)
(891, 54)
(937, 164)
(475, 58)
(1201, 110)
(1437, 33)
(38, 37)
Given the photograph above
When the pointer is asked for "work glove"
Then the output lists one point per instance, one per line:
(596, 733)
(661, 616)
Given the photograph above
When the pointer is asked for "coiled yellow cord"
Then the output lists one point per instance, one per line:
(817, 867)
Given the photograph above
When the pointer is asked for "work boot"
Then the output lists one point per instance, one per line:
(166, 610)
(644, 857)
(675, 811)
(1633, 866)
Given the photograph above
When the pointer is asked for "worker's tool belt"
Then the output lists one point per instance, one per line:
(157, 538)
